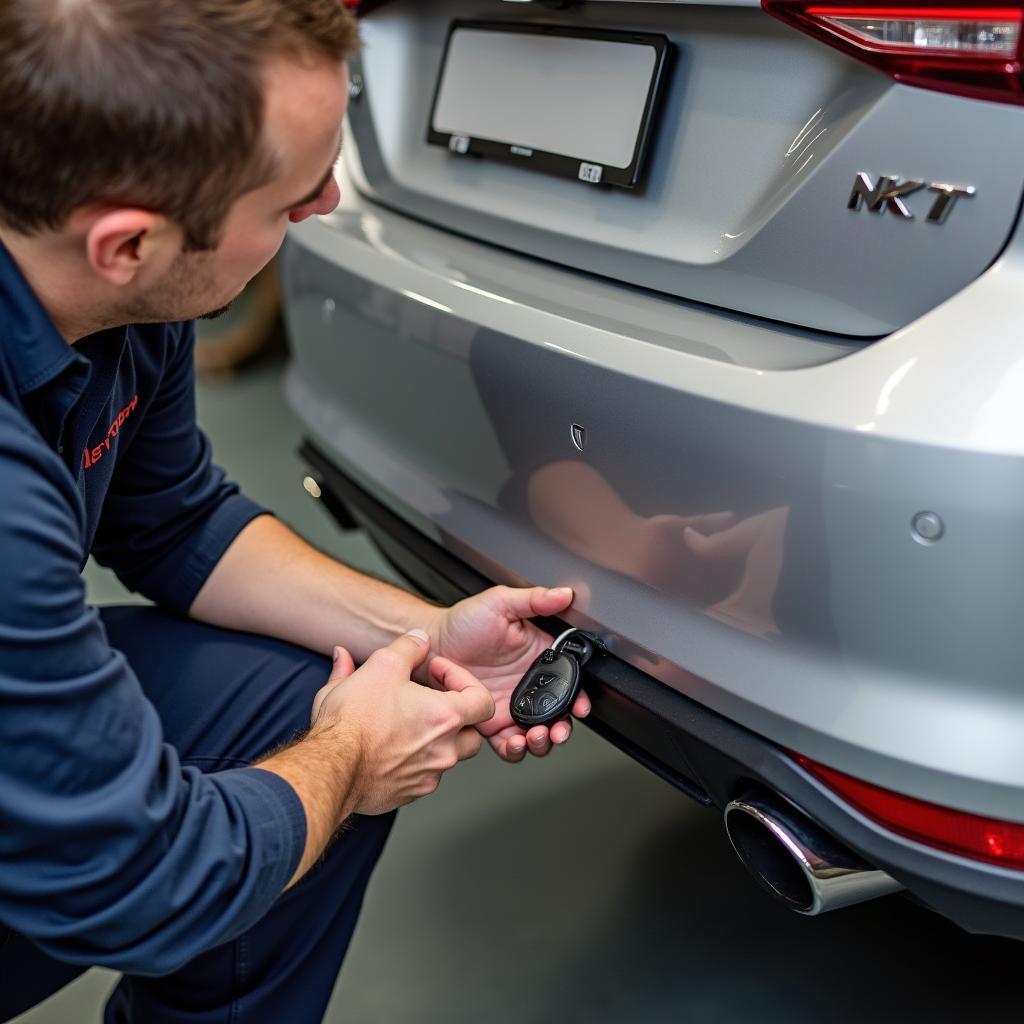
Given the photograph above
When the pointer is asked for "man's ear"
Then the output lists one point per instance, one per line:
(122, 244)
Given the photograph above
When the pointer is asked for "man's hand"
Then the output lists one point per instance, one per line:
(490, 636)
(379, 740)
(408, 735)
(317, 603)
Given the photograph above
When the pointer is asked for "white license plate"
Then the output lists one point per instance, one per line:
(568, 101)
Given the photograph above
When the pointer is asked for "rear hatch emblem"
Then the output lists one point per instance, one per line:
(889, 192)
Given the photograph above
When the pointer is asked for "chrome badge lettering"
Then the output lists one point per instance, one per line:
(889, 192)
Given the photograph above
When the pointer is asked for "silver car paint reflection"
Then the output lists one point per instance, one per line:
(820, 622)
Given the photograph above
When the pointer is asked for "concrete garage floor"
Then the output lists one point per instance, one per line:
(582, 888)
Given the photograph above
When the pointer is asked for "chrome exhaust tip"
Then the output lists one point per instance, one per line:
(796, 861)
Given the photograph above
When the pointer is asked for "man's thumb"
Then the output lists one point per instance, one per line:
(343, 666)
(412, 648)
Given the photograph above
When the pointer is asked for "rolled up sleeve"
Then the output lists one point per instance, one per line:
(111, 852)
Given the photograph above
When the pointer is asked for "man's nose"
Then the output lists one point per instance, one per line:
(326, 202)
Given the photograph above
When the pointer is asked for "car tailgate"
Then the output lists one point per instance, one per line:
(755, 148)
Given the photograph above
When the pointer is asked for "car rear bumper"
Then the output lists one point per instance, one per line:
(704, 755)
(445, 375)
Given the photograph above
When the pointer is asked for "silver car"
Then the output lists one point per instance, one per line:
(713, 312)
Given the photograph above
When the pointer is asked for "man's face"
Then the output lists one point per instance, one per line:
(305, 106)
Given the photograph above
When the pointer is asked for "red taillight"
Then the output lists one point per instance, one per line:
(970, 51)
(989, 839)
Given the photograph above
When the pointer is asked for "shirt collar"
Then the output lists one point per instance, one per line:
(30, 344)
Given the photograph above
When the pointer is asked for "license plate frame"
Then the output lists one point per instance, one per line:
(541, 41)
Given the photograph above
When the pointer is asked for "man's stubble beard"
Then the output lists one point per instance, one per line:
(178, 296)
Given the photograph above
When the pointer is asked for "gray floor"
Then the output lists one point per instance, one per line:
(582, 888)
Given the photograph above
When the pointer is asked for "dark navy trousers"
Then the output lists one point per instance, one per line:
(225, 700)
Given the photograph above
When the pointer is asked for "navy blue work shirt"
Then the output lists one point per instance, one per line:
(111, 851)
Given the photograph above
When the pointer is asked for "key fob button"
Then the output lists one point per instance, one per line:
(547, 691)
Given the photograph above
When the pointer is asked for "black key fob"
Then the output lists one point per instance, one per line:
(547, 691)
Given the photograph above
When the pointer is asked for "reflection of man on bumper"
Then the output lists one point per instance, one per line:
(161, 786)
(729, 567)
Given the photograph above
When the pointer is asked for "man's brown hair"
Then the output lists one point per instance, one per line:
(150, 103)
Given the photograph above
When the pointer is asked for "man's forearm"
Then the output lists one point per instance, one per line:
(271, 582)
(322, 768)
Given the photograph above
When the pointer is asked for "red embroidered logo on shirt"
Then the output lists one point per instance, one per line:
(90, 458)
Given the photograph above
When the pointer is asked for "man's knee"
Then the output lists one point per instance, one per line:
(224, 698)
(283, 684)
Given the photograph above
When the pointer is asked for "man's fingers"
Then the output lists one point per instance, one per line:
(471, 697)
(560, 731)
(538, 740)
(343, 665)
(467, 743)
(581, 706)
(527, 602)
(342, 668)
(509, 744)
(405, 652)
(515, 749)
